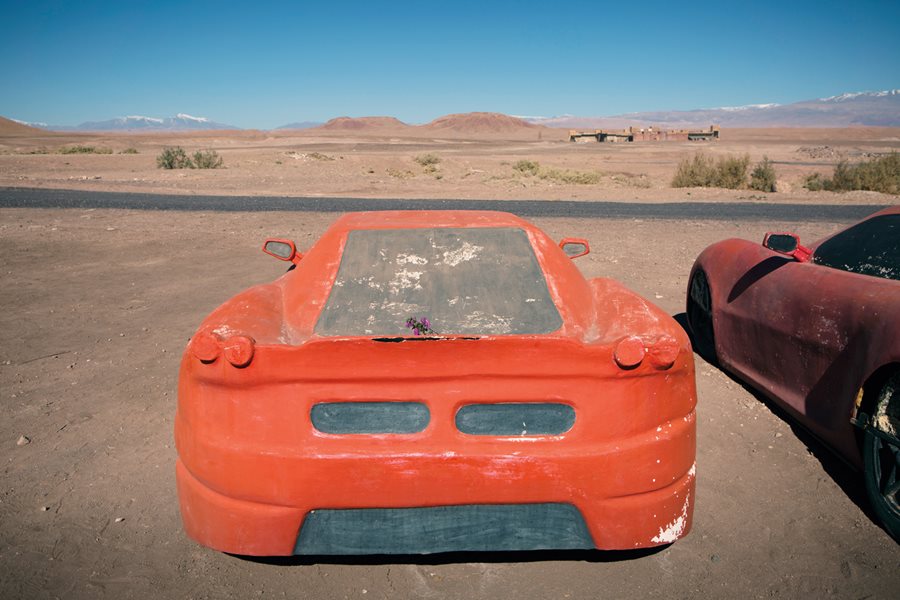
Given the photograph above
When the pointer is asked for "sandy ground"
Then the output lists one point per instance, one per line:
(98, 306)
(382, 163)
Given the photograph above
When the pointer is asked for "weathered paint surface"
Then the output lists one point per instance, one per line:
(807, 335)
(252, 466)
(479, 281)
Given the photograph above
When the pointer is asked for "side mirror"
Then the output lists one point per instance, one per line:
(787, 244)
(282, 250)
(575, 247)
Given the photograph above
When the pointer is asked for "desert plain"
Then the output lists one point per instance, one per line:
(98, 305)
(476, 156)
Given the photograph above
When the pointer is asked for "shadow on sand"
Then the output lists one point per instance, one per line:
(848, 478)
(443, 558)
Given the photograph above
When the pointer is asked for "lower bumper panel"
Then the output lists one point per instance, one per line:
(471, 527)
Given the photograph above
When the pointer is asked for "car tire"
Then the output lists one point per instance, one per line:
(881, 457)
(700, 316)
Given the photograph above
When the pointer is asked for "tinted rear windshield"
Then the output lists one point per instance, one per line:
(465, 281)
(870, 248)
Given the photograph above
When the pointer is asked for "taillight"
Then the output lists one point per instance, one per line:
(206, 347)
(663, 352)
(629, 352)
(237, 349)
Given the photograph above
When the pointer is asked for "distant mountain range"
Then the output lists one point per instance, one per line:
(301, 125)
(845, 110)
(873, 109)
(180, 122)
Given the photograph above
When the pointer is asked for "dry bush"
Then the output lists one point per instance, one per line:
(532, 168)
(880, 174)
(207, 159)
(701, 171)
(763, 176)
(79, 149)
(697, 171)
(427, 160)
(396, 174)
(574, 177)
(173, 158)
(527, 167)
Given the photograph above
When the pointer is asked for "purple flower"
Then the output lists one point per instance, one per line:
(419, 327)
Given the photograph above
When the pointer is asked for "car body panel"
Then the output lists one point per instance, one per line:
(806, 335)
(252, 464)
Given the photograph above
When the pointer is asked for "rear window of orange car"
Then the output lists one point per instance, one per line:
(870, 248)
(464, 281)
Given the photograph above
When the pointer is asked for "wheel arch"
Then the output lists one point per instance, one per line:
(870, 392)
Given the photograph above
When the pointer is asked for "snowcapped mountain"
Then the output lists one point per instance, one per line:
(38, 125)
(180, 122)
(852, 95)
(873, 109)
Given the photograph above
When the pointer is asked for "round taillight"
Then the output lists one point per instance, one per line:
(663, 352)
(206, 347)
(629, 352)
(238, 350)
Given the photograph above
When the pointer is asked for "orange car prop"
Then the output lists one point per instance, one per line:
(435, 381)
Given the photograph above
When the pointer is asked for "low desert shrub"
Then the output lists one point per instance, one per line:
(816, 183)
(731, 172)
(207, 159)
(763, 176)
(319, 156)
(697, 171)
(129, 151)
(397, 174)
(532, 168)
(173, 158)
(880, 174)
(426, 160)
(527, 167)
(79, 149)
(566, 176)
(701, 171)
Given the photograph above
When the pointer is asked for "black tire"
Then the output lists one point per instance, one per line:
(881, 457)
(700, 317)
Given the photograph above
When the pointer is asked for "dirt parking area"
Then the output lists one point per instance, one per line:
(98, 306)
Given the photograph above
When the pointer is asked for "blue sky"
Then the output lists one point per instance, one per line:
(263, 64)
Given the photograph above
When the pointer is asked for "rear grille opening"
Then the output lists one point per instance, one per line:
(425, 530)
(370, 417)
(515, 419)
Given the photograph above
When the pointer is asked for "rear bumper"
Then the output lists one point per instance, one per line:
(636, 493)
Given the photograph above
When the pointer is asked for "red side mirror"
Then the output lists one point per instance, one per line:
(787, 244)
(575, 247)
(282, 250)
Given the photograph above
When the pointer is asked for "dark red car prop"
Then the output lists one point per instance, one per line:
(430, 382)
(818, 331)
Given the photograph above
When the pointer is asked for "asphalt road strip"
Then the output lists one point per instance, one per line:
(713, 211)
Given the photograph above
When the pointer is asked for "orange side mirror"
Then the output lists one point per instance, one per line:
(282, 250)
(575, 247)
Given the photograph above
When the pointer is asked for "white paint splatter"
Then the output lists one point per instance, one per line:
(224, 331)
(675, 529)
(466, 252)
(404, 280)
(411, 259)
